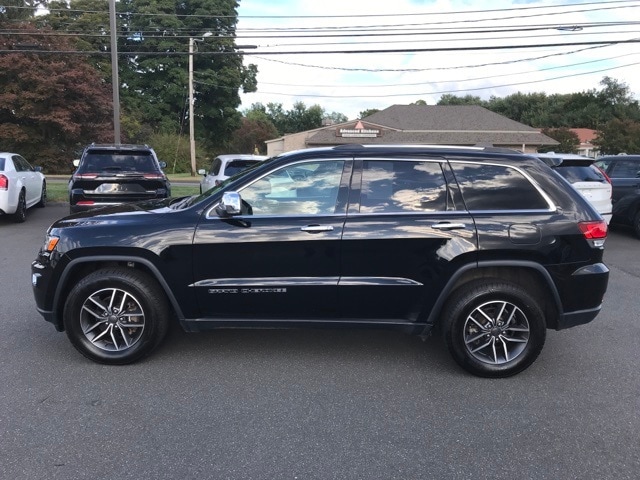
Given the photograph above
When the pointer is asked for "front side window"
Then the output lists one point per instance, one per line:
(496, 187)
(402, 186)
(309, 188)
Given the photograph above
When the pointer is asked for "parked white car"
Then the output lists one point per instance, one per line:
(21, 186)
(225, 166)
(585, 177)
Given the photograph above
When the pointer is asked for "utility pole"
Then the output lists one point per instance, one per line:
(115, 82)
(192, 139)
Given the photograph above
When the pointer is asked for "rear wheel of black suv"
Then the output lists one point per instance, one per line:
(116, 315)
(493, 328)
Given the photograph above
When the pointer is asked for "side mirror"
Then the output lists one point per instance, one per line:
(163, 164)
(202, 171)
(230, 205)
(37, 169)
(76, 162)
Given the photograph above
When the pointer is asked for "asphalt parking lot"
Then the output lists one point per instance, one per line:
(299, 404)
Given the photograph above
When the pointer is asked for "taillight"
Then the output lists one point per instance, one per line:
(86, 202)
(4, 182)
(595, 232)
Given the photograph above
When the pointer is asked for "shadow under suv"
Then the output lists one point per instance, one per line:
(487, 248)
(114, 174)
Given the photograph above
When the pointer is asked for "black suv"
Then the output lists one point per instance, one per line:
(114, 174)
(624, 172)
(488, 248)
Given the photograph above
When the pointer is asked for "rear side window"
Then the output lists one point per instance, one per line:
(497, 187)
(113, 161)
(625, 169)
(402, 186)
(2, 165)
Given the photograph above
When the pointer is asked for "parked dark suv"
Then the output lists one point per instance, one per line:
(624, 172)
(488, 248)
(114, 174)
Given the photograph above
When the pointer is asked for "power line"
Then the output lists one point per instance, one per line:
(333, 52)
(455, 80)
(453, 91)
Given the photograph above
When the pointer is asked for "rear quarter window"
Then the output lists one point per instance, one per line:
(2, 165)
(497, 187)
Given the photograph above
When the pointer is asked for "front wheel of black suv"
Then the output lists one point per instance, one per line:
(116, 315)
(493, 328)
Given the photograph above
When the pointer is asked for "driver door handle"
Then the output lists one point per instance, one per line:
(448, 226)
(317, 228)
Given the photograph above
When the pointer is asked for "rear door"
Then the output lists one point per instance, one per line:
(29, 178)
(406, 233)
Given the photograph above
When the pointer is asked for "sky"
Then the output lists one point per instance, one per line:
(482, 49)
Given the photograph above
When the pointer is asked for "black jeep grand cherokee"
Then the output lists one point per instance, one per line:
(116, 173)
(488, 248)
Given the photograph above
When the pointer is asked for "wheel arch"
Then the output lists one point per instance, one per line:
(532, 275)
(79, 267)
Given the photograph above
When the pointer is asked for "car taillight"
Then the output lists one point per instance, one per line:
(4, 182)
(595, 232)
(86, 202)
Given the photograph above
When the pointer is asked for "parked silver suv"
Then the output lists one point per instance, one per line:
(225, 166)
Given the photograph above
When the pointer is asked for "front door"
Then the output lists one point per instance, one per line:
(280, 259)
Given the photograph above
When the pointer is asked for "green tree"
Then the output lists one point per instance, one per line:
(16, 10)
(252, 135)
(618, 136)
(449, 99)
(153, 46)
(50, 103)
(368, 112)
(569, 141)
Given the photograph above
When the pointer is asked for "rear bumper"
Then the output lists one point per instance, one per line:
(572, 319)
(586, 287)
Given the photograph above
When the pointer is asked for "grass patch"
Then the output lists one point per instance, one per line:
(57, 191)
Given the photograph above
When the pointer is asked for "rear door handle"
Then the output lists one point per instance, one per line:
(317, 228)
(448, 226)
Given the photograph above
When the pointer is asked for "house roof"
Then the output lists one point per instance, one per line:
(586, 135)
(444, 117)
(437, 125)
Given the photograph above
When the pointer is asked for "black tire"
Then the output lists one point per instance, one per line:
(493, 328)
(43, 196)
(636, 224)
(20, 214)
(94, 319)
